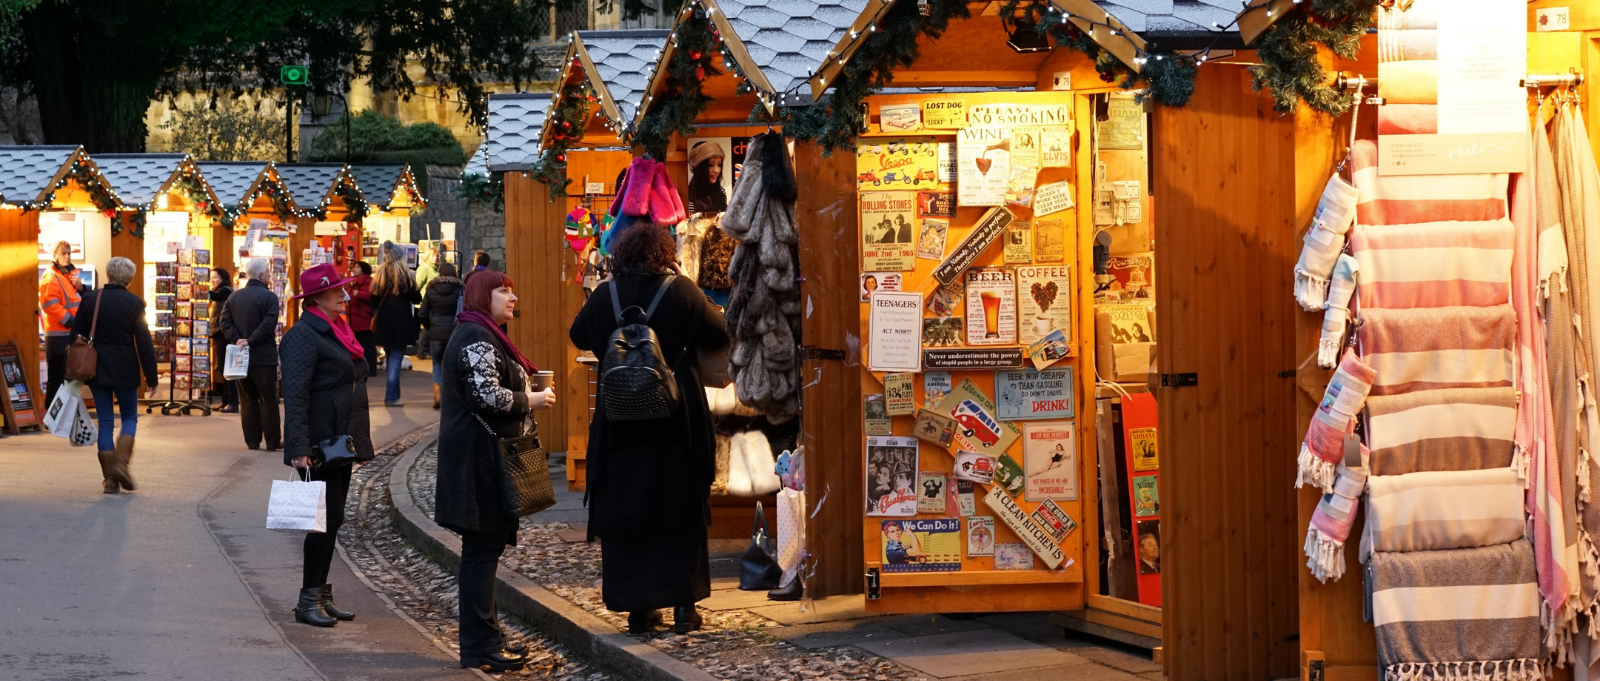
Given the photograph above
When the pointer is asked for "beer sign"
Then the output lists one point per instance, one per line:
(991, 306)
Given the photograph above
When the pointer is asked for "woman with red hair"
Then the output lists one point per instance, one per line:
(484, 396)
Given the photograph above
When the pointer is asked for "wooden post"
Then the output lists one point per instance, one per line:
(831, 421)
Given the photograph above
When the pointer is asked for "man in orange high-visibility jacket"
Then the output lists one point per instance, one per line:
(59, 293)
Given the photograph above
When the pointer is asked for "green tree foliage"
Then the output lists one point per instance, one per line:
(95, 65)
(376, 138)
(225, 130)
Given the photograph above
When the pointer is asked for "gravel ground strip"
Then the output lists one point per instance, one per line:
(422, 589)
(733, 645)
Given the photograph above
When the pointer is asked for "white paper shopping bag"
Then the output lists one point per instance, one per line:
(298, 506)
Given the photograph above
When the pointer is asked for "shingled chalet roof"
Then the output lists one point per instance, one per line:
(28, 174)
(515, 121)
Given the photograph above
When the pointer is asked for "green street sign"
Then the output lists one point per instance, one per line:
(296, 74)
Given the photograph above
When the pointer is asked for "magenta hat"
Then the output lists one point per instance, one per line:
(320, 278)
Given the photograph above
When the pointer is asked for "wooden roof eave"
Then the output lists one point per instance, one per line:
(1258, 15)
(736, 49)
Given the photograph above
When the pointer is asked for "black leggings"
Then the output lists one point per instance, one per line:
(319, 545)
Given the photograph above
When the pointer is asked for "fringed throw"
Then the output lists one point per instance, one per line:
(1435, 510)
(1338, 314)
(1323, 243)
(1456, 429)
(1333, 418)
(1331, 523)
(1444, 347)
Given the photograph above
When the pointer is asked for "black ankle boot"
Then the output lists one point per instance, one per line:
(495, 662)
(644, 621)
(309, 610)
(686, 618)
(788, 593)
(333, 610)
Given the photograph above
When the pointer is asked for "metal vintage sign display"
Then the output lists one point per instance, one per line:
(1037, 538)
(1027, 395)
(989, 228)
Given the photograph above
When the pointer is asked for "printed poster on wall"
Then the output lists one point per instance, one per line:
(1025, 147)
(877, 416)
(715, 163)
(895, 332)
(897, 164)
(1045, 294)
(1052, 198)
(1450, 74)
(984, 165)
(1124, 126)
(1055, 146)
(977, 429)
(900, 390)
(1050, 455)
(944, 114)
(891, 476)
(933, 497)
(872, 282)
(980, 536)
(922, 545)
(991, 306)
(900, 117)
(888, 231)
(1032, 395)
(1020, 115)
(935, 387)
(1018, 247)
(1049, 240)
(930, 245)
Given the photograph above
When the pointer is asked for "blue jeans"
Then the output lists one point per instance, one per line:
(128, 400)
(436, 350)
(393, 357)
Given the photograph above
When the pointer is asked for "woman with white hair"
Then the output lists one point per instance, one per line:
(113, 318)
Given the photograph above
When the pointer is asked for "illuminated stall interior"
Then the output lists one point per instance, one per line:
(392, 197)
(261, 214)
(329, 208)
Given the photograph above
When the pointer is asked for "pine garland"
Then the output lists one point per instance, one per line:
(355, 203)
(478, 190)
(566, 126)
(695, 48)
(1166, 78)
(1289, 68)
(188, 184)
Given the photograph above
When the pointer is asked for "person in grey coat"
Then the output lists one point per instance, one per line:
(250, 318)
(324, 397)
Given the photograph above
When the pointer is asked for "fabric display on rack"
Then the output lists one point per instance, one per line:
(1323, 243)
(1454, 429)
(1408, 119)
(1441, 347)
(763, 311)
(1457, 615)
(1437, 510)
(1434, 264)
(1331, 523)
(691, 236)
(1337, 317)
(1414, 199)
(1323, 447)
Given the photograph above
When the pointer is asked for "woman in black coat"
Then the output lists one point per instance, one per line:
(114, 319)
(439, 306)
(324, 397)
(394, 319)
(486, 396)
(221, 288)
(650, 481)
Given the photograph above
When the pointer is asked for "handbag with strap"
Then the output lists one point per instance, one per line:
(525, 487)
(758, 570)
(82, 357)
(336, 451)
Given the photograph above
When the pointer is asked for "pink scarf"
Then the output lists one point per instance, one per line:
(341, 331)
(487, 322)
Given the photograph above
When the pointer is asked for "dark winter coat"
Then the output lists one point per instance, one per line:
(324, 390)
(394, 320)
(219, 303)
(650, 475)
(439, 308)
(479, 380)
(252, 314)
(121, 339)
(359, 311)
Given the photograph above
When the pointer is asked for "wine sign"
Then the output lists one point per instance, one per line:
(983, 155)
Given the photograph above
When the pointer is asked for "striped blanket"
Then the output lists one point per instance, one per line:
(1434, 264)
(1410, 199)
(1456, 429)
(1457, 615)
(1439, 347)
(1435, 510)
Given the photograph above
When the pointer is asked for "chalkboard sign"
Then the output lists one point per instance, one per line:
(19, 405)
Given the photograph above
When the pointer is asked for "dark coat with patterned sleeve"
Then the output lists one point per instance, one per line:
(479, 380)
(324, 390)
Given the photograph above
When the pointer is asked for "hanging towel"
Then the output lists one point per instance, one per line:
(1458, 615)
(1323, 446)
(1338, 314)
(1331, 523)
(1408, 119)
(1410, 199)
(1421, 15)
(1409, 82)
(1323, 242)
(1438, 347)
(1434, 264)
(1456, 429)
(1435, 510)
(1420, 44)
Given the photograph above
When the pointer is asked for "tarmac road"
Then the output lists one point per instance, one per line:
(180, 580)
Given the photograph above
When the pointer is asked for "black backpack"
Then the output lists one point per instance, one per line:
(636, 383)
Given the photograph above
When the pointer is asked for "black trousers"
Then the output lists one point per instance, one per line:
(258, 407)
(480, 624)
(319, 545)
(369, 349)
(55, 357)
(229, 390)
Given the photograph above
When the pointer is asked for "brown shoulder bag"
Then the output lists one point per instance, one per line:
(82, 357)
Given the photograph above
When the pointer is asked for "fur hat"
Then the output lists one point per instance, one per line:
(705, 150)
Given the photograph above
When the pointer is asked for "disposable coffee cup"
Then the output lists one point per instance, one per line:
(543, 379)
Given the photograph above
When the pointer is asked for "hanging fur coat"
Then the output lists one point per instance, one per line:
(763, 311)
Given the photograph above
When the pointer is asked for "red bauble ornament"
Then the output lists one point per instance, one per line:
(562, 158)
(699, 73)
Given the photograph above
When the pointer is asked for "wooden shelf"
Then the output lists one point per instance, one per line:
(893, 580)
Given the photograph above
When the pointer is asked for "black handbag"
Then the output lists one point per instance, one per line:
(758, 570)
(334, 452)
(525, 487)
